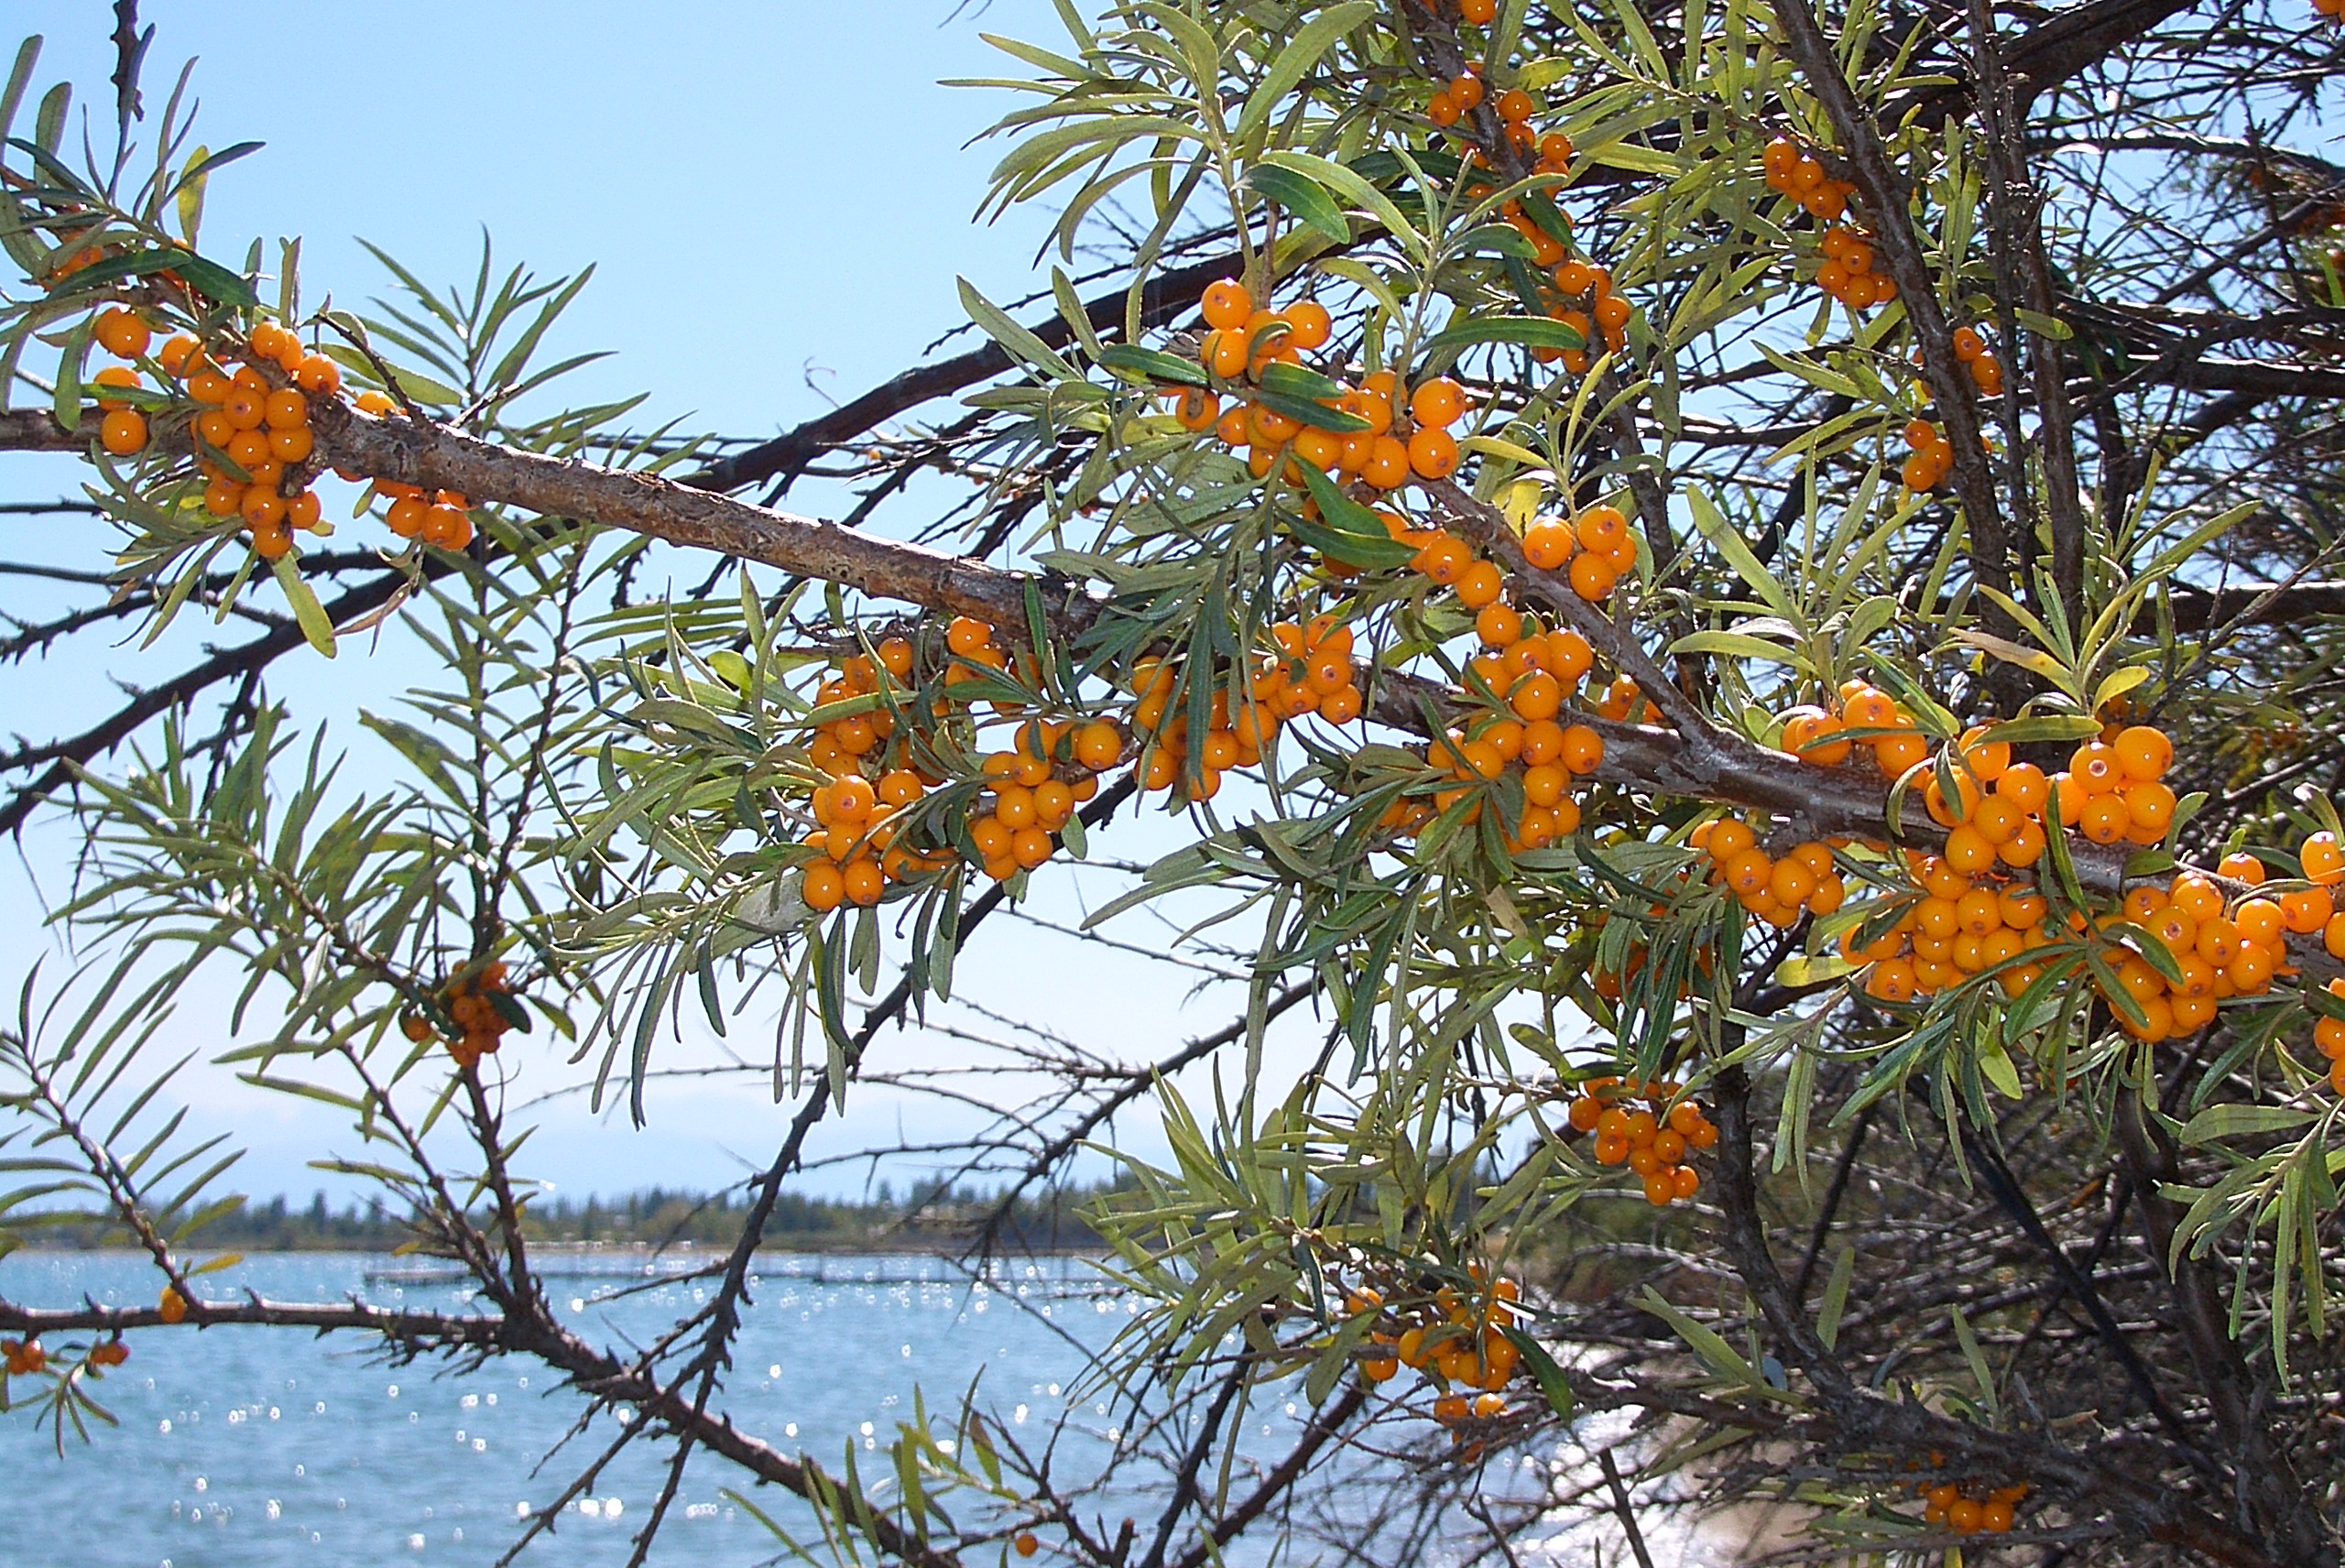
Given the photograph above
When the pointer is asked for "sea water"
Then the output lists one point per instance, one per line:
(258, 1447)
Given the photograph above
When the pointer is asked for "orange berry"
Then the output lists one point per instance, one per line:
(1548, 543)
(2307, 911)
(1592, 576)
(1387, 463)
(273, 541)
(285, 409)
(1968, 851)
(2024, 786)
(1445, 559)
(1813, 737)
(262, 506)
(318, 376)
(1308, 323)
(863, 881)
(2104, 818)
(1226, 304)
(1480, 585)
(246, 408)
(2242, 867)
(2096, 767)
(821, 886)
(1728, 837)
(2323, 859)
(446, 527)
(1583, 749)
(2150, 805)
(1433, 452)
(123, 431)
(1438, 402)
(2143, 753)
(1499, 626)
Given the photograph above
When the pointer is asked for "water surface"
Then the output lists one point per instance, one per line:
(262, 1448)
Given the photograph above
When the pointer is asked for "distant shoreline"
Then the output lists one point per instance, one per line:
(935, 1220)
(822, 1245)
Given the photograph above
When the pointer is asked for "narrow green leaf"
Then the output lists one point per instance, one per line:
(1534, 332)
(308, 613)
(1302, 197)
(2234, 1121)
(1552, 1381)
(1301, 53)
(1149, 365)
(1836, 1297)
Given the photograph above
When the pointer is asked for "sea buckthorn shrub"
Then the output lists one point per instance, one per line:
(1685, 581)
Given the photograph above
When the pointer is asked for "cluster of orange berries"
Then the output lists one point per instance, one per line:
(1534, 672)
(1311, 673)
(1930, 458)
(1033, 789)
(436, 517)
(1864, 716)
(1973, 916)
(121, 333)
(1802, 177)
(857, 813)
(1464, 92)
(1587, 305)
(1959, 928)
(1986, 370)
(1967, 1513)
(1462, 1345)
(171, 1307)
(2218, 955)
(1584, 298)
(1775, 890)
(2111, 791)
(253, 440)
(27, 1359)
(1846, 273)
(1967, 922)
(1653, 1150)
(1244, 342)
(1596, 548)
(470, 1004)
(1550, 757)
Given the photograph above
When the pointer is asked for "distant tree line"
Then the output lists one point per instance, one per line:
(929, 1216)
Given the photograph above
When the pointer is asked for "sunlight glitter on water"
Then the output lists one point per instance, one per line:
(244, 1447)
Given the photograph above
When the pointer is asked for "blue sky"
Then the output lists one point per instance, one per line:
(777, 199)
